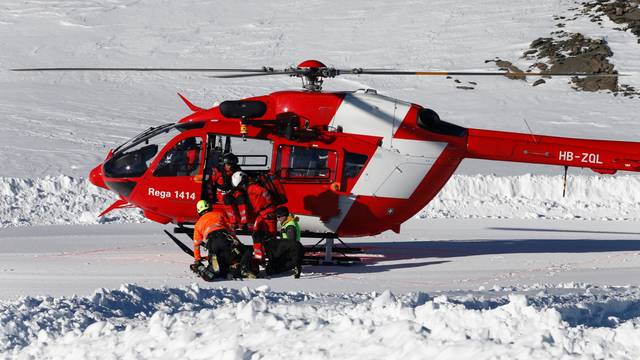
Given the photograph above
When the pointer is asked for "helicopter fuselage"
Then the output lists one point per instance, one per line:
(350, 163)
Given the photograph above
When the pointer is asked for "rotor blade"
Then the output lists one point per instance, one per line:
(358, 71)
(145, 69)
(233, 76)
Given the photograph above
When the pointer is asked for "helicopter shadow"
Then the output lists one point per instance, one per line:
(368, 267)
(564, 231)
(454, 248)
(429, 252)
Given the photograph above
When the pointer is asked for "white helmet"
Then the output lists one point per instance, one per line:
(237, 178)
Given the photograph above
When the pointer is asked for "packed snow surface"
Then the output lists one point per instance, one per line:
(444, 288)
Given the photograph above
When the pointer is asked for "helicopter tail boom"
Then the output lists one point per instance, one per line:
(602, 156)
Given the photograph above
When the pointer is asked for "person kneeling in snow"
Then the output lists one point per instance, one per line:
(227, 255)
(287, 252)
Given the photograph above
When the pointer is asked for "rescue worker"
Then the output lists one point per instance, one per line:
(226, 253)
(234, 201)
(192, 153)
(263, 207)
(287, 252)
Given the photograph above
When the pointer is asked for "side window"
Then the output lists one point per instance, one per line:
(353, 164)
(252, 153)
(181, 160)
(301, 163)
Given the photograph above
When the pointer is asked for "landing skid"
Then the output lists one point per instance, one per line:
(327, 252)
(324, 252)
(180, 244)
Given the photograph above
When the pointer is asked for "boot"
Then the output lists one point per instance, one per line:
(258, 252)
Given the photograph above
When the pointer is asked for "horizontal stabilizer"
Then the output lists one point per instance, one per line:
(119, 204)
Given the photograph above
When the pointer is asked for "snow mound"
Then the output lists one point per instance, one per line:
(195, 323)
(537, 196)
(57, 200)
(69, 200)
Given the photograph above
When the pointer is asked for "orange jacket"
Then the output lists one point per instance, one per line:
(206, 224)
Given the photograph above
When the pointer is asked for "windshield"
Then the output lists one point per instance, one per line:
(132, 159)
(143, 136)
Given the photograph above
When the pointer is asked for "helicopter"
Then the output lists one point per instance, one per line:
(350, 163)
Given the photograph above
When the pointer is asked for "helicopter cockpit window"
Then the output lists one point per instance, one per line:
(301, 163)
(353, 164)
(132, 159)
(183, 159)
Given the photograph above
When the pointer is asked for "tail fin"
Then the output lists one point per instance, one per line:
(189, 104)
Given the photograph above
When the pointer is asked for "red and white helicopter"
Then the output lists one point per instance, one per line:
(352, 163)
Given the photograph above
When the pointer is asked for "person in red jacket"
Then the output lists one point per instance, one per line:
(234, 201)
(262, 205)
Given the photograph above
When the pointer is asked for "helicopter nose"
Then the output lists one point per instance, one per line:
(96, 178)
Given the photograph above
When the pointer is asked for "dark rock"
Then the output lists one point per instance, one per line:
(465, 87)
(539, 41)
(539, 82)
(541, 66)
(619, 11)
(572, 53)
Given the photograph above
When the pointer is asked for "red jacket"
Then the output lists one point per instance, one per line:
(260, 199)
(221, 178)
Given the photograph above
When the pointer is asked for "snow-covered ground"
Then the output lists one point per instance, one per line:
(491, 288)
(495, 267)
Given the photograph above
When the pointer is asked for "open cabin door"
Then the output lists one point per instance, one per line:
(254, 157)
(213, 156)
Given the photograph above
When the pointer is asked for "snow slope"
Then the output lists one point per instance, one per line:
(529, 275)
(77, 117)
